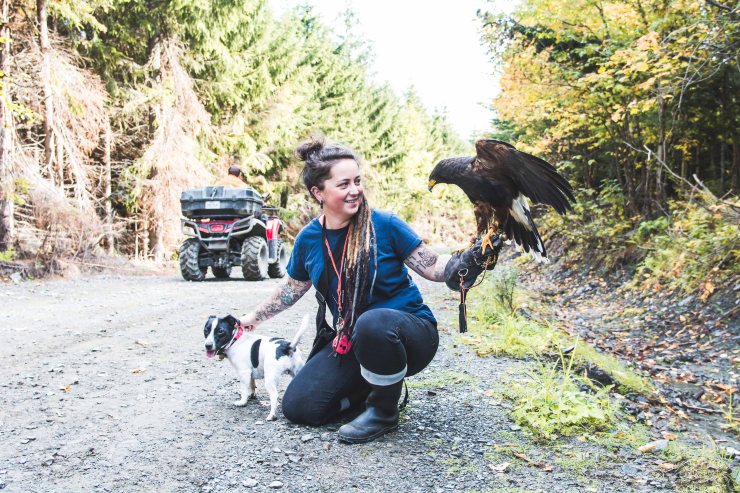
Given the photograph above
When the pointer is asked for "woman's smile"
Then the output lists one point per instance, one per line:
(342, 193)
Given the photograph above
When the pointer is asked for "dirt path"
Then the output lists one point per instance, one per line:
(105, 387)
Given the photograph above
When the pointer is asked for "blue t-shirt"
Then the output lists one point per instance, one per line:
(393, 288)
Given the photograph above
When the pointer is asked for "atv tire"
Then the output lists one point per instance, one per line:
(221, 272)
(277, 268)
(189, 268)
(255, 258)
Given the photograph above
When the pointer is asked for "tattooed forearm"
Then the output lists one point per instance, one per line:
(283, 297)
(427, 263)
(439, 268)
(427, 258)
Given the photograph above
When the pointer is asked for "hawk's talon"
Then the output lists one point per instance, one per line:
(486, 240)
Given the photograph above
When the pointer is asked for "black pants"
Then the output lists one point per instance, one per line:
(387, 345)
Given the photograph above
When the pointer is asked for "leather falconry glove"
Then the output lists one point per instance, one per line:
(470, 263)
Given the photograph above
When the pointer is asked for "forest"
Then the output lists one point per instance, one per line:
(638, 102)
(112, 108)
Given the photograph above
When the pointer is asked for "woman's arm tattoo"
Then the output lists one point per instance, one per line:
(425, 262)
(283, 297)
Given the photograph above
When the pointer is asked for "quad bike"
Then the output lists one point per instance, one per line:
(228, 227)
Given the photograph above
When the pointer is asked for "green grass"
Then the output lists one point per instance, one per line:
(550, 403)
(623, 435)
(498, 327)
(7, 255)
(506, 320)
(629, 380)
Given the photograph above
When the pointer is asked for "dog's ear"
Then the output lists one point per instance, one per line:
(209, 324)
(232, 320)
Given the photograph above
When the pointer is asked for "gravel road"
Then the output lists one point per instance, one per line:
(105, 387)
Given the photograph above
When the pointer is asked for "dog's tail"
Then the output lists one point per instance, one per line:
(299, 334)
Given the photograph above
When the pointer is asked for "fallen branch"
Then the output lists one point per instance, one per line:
(698, 408)
(13, 266)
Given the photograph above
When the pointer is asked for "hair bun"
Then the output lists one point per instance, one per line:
(310, 147)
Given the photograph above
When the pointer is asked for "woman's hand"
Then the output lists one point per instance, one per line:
(464, 267)
(249, 322)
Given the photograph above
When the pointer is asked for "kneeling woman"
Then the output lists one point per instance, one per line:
(356, 259)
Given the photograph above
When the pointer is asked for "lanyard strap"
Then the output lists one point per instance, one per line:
(339, 271)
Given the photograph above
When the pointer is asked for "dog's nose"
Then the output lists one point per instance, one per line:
(209, 346)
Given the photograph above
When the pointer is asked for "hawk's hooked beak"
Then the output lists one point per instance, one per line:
(431, 184)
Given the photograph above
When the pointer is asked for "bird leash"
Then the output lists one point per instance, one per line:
(462, 308)
(462, 316)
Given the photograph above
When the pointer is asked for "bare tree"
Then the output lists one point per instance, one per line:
(46, 85)
(7, 188)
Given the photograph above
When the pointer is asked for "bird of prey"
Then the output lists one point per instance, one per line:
(498, 181)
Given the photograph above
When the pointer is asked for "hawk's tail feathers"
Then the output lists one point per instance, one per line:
(521, 229)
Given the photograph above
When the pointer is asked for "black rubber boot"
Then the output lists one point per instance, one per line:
(380, 417)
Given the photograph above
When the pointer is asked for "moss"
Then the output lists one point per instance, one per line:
(458, 465)
(629, 436)
(701, 469)
(441, 379)
(580, 462)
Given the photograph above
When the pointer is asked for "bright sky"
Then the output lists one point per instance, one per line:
(432, 45)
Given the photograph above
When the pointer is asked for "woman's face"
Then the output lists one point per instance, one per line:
(342, 191)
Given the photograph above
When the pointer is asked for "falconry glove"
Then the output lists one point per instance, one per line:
(469, 264)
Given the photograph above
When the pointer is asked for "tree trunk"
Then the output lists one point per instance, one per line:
(735, 163)
(722, 147)
(108, 190)
(46, 86)
(156, 223)
(145, 238)
(7, 182)
(659, 195)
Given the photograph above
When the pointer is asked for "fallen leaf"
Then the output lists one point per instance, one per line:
(667, 466)
(142, 343)
(138, 370)
(66, 388)
(542, 465)
(707, 289)
(669, 436)
(500, 467)
(524, 458)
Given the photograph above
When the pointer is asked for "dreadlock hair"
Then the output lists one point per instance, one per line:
(319, 157)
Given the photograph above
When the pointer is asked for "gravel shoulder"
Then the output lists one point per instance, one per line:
(105, 387)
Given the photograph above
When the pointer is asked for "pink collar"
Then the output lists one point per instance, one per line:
(237, 335)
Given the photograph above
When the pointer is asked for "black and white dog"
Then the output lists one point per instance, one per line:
(254, 356)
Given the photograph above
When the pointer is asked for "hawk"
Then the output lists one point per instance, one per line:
(498, 181)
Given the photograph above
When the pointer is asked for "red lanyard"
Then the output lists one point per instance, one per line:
(338, 272)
